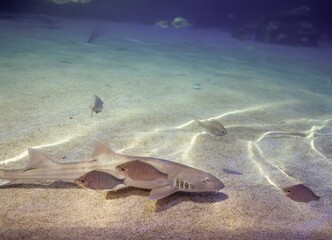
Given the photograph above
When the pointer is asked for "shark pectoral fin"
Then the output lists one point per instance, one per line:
(4, 182)
(159, 193)
(38, 159)
(116, 188)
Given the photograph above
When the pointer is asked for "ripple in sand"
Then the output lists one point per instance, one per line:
(323, 146)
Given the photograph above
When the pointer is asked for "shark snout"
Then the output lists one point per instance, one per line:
(216, 183)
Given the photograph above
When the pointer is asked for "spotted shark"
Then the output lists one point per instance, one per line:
(163, 177)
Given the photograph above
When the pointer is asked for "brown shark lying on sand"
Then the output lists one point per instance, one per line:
(111, 171)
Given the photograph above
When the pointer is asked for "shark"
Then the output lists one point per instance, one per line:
(174, 177)
(162, 176)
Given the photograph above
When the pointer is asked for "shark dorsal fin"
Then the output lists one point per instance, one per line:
(99, 148)
(159, 193)
(38, 159)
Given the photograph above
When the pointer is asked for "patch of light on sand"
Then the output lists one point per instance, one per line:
(184, 125)
(273, 165)
(312, 144)
(255, 108)
(265, 134)
(25, 153)
(257, 165)
(312, 132)
(187, 150)
(259, 107)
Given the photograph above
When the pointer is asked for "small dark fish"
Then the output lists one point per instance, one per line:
(98, 180)
(121, 49)
(96, 32)
(231, 171)
(98, 106)
(138, 170)
(47, 27)
(300, 193)
(65, 61)
(196, 86)
(213, 126)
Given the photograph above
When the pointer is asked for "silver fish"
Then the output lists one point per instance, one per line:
(180, 22)
(162, 23)
(213, 126)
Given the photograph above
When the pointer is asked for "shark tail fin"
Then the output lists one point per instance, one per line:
(38, 159)
(3, 181)
(100, 148)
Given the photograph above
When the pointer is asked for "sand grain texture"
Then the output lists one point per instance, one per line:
(274, 101)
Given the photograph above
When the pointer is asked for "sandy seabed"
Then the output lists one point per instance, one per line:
(275, 102)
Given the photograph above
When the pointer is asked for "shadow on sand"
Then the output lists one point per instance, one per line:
(172, 200)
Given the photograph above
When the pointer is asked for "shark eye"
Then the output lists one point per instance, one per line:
(206, 180)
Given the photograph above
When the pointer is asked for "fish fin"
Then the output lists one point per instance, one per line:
(114, 189)
(99, 148)
(4, 182)
(159, 193)
(198, 122)
(38, 159)
(113, 173)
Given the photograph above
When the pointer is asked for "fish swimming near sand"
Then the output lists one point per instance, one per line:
(162, 23)
(231, 171)
(196, 86)
(96, 32)
(98, 105)
(142, 175)
(300, 193)
(163, 177)
(137, 170)
(212, 126)
(99, 180)
(180, 22)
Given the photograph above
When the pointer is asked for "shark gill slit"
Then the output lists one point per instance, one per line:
(177, 183)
